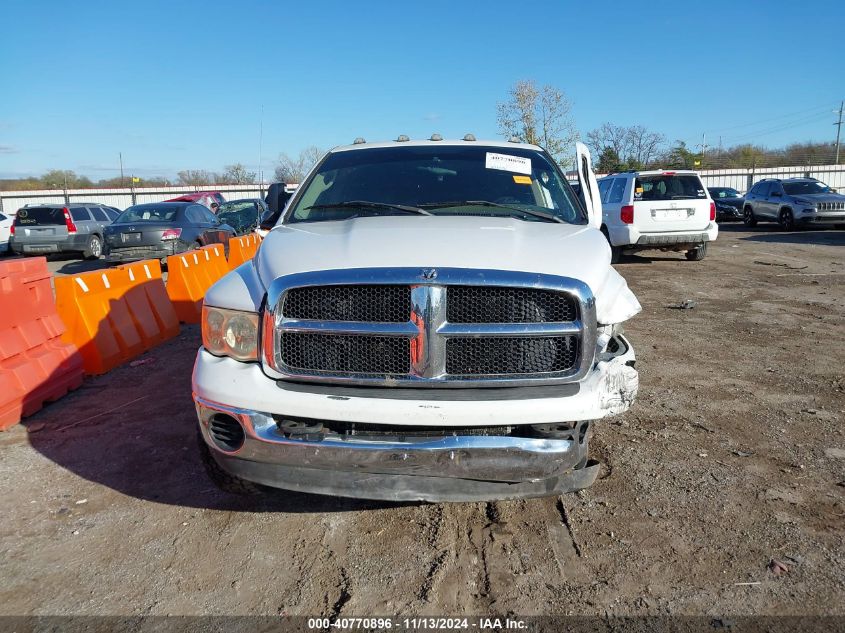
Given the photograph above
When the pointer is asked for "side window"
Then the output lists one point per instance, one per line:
(776, 188)
(209, 216)
(195, 214)
(79, 214)
(617, 190)
(604, 187)
(99, 214)
(3, 217)
(111, 213)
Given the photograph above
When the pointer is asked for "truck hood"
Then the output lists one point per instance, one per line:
(566, 250)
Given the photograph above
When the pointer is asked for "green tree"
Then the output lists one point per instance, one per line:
(681, 157)
(608, 162)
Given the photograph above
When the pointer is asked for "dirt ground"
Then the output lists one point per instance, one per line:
(733, 455)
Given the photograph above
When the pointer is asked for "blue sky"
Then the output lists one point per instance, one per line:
(177, 85)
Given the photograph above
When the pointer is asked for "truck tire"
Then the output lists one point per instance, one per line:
(223, 480)
(94, 248)
(697, 253)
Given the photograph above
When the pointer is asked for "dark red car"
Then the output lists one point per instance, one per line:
(210, 199)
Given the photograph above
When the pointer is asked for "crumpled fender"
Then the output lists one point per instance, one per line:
(615, 302)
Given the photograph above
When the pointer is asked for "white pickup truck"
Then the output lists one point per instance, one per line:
(430, 320)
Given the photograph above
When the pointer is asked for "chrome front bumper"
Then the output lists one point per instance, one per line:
(443, 468)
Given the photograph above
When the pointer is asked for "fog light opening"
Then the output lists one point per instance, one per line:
(226, 432)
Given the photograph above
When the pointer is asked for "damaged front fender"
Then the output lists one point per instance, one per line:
(620, 380)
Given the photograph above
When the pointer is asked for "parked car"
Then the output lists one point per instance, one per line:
(431, 320)
(729, 203)
(160, 229)
(277, 197)
(793, 203)
(6, 223)
(210, 199)
(58, 228)
(243, 215)
(665, 210)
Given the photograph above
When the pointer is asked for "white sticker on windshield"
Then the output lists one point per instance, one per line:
(515, 164)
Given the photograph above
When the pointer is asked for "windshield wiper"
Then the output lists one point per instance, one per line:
(366, 204)
(551, 217)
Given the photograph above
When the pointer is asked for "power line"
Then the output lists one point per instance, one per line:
(781, 127)
(775, 118)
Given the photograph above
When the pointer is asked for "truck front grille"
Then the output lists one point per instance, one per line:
(447, 328)
(370, 304)
(523, 356)
(338, 354)
(484, 304)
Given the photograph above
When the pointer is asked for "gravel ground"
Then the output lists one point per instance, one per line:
(732, 457)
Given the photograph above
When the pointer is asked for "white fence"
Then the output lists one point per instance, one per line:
(741, 179)
(11, 201)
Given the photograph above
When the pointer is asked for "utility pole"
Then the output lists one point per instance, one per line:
(260, 148)
(838, 125)
(120, 154)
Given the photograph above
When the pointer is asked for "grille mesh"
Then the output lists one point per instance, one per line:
(510, 356)
(376, 355)
(480, 304)
(371, 304)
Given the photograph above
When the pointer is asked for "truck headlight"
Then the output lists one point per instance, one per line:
(230, 333)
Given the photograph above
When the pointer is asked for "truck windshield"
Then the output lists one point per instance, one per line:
(437, 180)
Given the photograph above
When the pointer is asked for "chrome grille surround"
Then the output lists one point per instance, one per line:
(427, 328)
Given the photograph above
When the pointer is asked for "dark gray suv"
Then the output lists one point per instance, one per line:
(793, 202)
(61, 228)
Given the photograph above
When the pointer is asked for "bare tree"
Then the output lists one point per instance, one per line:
(608, 135)
(293, 171)
(195, 177)
(542, 116)
(644, 144)
(237, 174)
(635, 146)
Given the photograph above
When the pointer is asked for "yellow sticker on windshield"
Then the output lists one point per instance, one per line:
(522, 180)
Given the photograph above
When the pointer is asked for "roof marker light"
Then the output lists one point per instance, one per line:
(514, 139)
(435, 137)
(359, 140)
(402, 138)
(469, 137)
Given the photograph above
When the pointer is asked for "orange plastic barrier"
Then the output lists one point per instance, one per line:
(146, 297)
(98, 320)
(189, 275)
(35, 365)
(242, 249)
(217, 257)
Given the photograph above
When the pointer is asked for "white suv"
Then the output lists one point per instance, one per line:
(665, 210)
